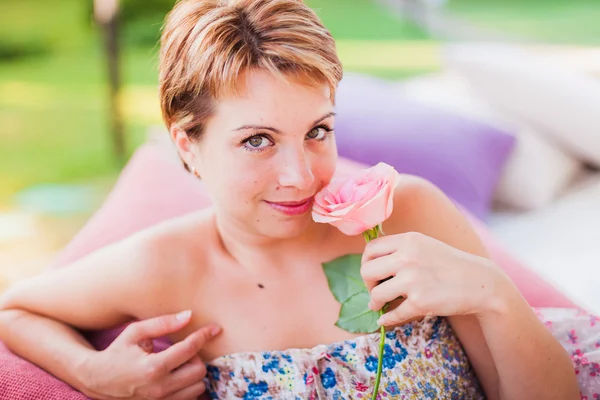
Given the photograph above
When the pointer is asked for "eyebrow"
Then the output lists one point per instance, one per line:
(269, 128)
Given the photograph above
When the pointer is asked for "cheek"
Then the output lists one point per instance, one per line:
(324, 166)
(245, 182)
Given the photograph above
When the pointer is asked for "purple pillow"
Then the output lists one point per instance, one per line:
(464, 158)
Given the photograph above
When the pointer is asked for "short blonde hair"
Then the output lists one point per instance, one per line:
(206, 45)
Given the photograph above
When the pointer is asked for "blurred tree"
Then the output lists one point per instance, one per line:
(131, 23)
(106, 13)
(142, 19)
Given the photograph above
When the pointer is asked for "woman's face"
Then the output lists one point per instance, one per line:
(266, 153)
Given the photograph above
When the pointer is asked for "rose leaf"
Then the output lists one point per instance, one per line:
(348, 288)
(343, 277)
(356, 317)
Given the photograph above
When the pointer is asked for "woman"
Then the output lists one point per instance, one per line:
(247, 90)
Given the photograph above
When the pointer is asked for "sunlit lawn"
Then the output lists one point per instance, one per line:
(53, 125)
(554, 21)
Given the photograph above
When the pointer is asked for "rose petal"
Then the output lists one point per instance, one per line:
(346, 191)
(342, 211)
(375, 210)
(358, 202)
(365, 191)
(350, 227)
(323, 218)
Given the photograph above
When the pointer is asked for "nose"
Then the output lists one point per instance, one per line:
(296, 171)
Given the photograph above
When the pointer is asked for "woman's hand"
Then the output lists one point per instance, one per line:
(432, 277)
(128, 369)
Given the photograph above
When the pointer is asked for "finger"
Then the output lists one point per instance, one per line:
(377, 270)
(188, 375)
(386, 292)
(180, 353)
(402, 314)
(189, 393)
(156, 327)
(195, 360)
(382, 246)
(147, 345)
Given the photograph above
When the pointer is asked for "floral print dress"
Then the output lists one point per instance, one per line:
(422, 360)
(579, 333)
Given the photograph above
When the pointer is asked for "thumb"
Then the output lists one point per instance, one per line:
(156, 327)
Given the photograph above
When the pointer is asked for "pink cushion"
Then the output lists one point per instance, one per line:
(21, 380)
(153, 187)
(536, 291)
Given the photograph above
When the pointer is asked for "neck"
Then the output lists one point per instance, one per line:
(260, 253)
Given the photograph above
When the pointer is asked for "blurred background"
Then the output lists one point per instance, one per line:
(78, 95)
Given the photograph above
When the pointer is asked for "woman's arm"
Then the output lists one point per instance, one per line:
(51, 345)
(513, 354)
(123, 371)
(103, 290)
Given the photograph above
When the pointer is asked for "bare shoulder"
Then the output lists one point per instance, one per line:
(117, 283)
(173, 246)
(169, 255)
(420, 206)
(418, 203)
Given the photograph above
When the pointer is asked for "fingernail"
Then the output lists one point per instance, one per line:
(370, 305)
(215, 330)
(184, 315)
(381, 320)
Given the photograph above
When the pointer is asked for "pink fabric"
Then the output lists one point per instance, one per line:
(21, 380)
(536, 291)
(153, 187)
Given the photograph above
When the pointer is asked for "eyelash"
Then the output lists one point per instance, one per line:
(326, 128)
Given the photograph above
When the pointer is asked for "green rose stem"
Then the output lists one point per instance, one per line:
(369, 235)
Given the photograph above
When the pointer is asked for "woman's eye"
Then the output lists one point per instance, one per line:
(317, 133)
(258, 142)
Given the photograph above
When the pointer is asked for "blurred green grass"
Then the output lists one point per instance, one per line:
(552, 21)
(53, 107)
(53, 96)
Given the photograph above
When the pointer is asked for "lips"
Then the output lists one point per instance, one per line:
(291, 203)
(292, 207)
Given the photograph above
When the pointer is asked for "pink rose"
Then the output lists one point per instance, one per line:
(359, 202)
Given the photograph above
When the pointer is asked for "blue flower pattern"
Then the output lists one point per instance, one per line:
(256, 390)
(346, 370)
(428, 391)
(328, 378)
(271, 365)
(213, 372)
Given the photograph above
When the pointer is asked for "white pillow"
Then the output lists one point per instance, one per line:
(537, 170)
(560, 242)
(580, 59)
(562, 103)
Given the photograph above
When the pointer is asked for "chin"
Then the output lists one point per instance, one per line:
(288, 228)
